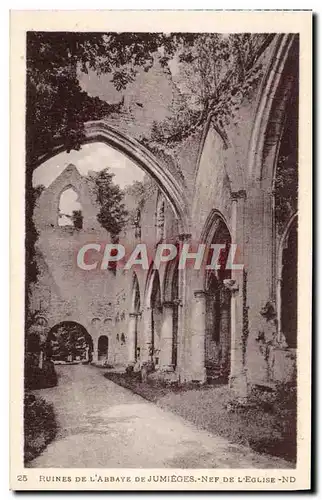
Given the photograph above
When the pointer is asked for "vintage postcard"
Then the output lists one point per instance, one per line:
(161, 183)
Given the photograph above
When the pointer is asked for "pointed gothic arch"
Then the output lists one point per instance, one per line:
(281, 75)
(172, 188)
(74, 216)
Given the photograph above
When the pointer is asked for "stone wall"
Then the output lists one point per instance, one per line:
(217, 174)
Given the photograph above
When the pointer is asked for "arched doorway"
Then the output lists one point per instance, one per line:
(69, 342)
(103, 348)
(218, 305)
(287, 292)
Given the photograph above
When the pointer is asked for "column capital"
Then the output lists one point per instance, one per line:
(200, 293)
(134, 314)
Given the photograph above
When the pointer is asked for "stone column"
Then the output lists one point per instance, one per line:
(237, 379)
(131, 337)
(225, 326)
(198, 327)
(95, 350)
(167, 337)
(259, 277)
(147, 334)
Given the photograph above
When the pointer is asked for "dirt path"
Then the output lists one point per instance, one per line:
(104, 425)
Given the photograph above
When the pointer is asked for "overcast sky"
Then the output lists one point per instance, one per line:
(95, 156)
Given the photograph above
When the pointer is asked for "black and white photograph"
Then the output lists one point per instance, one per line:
(161, 232)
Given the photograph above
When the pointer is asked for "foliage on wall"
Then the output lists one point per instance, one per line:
(112, 213)
(213, 77)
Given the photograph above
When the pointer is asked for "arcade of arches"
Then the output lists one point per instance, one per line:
(191, 325)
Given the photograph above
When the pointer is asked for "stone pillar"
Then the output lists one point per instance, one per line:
(225, 326)
(131, 337)
(259, 277)
(237, 379)
(167, 337)
(147, 334)
(279, 304)
(198, 327)
(95, 350)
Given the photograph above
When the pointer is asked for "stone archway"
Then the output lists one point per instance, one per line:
(171, 186)
(213, 312)
(69, 341)
(281, 75)
(152, 318)
(277, 106)
(218, 310)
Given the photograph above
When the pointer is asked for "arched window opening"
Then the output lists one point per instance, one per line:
(70, 210)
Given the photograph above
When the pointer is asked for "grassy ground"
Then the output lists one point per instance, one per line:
(40, 426)
(267, 423)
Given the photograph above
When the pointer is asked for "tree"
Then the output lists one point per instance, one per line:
(215, 73)
(56, 105)
(220, 69)
(60, 343)
(112, 213)
(77, 219)
(67, 341)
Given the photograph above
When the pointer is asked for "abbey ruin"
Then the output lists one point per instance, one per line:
(221, 184)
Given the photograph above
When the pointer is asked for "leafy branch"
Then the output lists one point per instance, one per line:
(215, 75)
